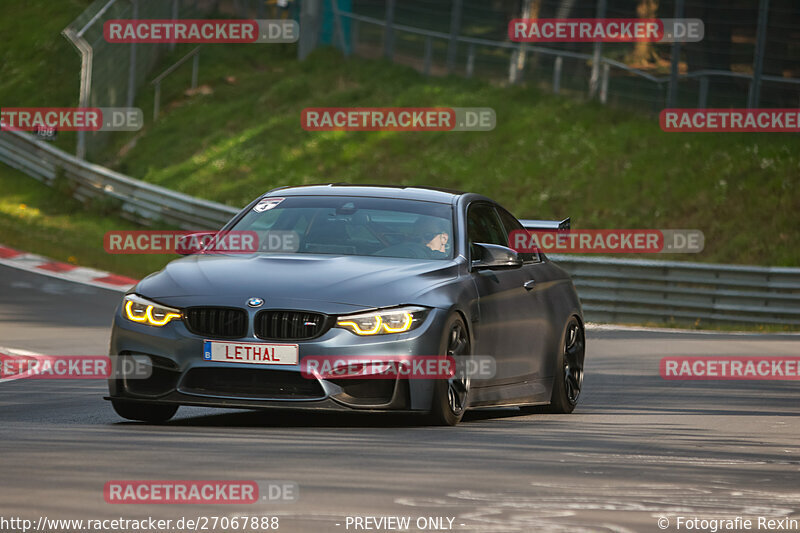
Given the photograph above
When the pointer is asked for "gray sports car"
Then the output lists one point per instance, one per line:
(360, 272)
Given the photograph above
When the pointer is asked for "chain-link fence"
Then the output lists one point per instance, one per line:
(113, 74)
(750, 54)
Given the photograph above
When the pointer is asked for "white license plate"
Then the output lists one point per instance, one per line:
(250, 352)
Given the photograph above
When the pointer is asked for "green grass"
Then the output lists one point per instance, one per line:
(549, 157)
(36, 218)
(38, 66)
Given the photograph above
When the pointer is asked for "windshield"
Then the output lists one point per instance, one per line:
(343, 225)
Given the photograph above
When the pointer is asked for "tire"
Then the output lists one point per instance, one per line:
(451, 396)
(568, 380)
(144, 412)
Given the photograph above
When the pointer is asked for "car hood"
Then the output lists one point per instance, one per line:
(329, 284)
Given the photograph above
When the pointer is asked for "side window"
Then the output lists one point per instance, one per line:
(483, 226)
(511, 223)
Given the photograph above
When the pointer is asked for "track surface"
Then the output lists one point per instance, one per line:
(638, 448)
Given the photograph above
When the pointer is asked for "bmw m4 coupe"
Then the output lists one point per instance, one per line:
(396, 273)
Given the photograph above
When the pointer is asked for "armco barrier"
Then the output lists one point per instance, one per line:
(139, 201)
(611, 290)
(635, 291)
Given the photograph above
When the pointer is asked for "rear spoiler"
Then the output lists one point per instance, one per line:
(546, 224)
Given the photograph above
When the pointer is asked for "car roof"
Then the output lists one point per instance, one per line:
(428, 194)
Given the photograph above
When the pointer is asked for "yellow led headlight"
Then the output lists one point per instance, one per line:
(383, 321)
(137, 309)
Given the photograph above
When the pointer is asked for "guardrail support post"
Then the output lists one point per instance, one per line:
(559, 63)
(428, 55)
(455, 29)
(594, 80)
(703, 97)
(388, 31)
(470, 60)
(675, 58)
(195, 69)
(156, 101)
(754, 95)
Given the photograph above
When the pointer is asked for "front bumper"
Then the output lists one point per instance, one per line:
(181, 376)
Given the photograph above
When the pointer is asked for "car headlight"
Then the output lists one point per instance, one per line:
(137, 309)
(383, 321)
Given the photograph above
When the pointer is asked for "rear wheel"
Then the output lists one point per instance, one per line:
(144, 412)
(569, 372)
(451, 396)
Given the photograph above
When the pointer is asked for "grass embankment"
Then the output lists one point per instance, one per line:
(548, 157)
(39, 219)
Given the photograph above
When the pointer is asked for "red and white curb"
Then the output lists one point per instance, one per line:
(65, 271)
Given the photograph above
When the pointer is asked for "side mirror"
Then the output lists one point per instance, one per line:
(194, 242)
(494, 256)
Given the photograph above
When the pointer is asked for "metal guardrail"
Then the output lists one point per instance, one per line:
(611, 290)
(635, 291)
(139, 201)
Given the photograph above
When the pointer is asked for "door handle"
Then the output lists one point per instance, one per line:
(529, 284)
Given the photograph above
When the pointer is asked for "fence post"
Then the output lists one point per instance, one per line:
(428, 55)
(132, 66)
(339, 28)
(594, 80)
(604, 83)
(174, 17)
(672, 90)
(557, 74)
(703, 98)
(195, 69)
(455, 30)
(512, 67)
(309, 27)
(86, 52)
(353, 34)
(471, 60)
(758, 60)
(388, 31)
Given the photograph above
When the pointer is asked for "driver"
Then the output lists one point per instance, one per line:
(433, 234)
(428, 240)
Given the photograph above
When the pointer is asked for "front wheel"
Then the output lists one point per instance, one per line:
(451, 396)
(144, 412)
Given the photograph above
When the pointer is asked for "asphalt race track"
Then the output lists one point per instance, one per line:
(638, 448)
